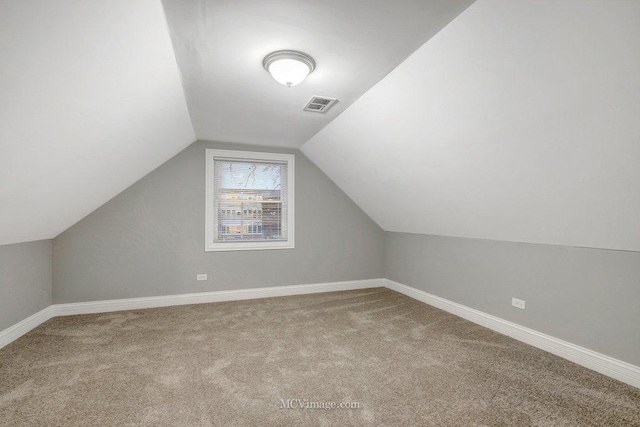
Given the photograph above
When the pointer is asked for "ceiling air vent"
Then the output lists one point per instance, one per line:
(319, 104)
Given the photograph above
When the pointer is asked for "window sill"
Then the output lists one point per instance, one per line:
(248, 246)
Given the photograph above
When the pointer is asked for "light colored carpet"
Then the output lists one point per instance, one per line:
(404, 362)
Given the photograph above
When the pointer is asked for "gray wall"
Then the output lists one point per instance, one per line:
(25, 280)
(589, 297)
(149, 240)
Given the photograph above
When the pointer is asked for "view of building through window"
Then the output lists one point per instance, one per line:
(250, 200)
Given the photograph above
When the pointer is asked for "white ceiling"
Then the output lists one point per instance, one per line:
(220, 46)
(90, 102)
(518, 121)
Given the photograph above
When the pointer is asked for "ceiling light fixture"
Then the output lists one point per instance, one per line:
(289, 67)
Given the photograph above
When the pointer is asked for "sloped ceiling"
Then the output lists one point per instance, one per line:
(90, 101)
(518, 121)
(220, 45)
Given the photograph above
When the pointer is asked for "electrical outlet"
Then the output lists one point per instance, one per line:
(201, 277)
(518, 303)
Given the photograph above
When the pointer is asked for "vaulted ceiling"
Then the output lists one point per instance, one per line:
(90, 102)
(516, 120)
(220, 45)
(92, 97)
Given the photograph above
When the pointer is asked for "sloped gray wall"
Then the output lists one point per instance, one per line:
(149, 240)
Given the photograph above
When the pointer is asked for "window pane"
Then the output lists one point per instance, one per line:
(250, 200)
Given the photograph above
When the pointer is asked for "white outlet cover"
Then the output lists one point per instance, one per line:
(201, 277)
(518, 303)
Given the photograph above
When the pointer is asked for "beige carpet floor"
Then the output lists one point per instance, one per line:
(403, 362)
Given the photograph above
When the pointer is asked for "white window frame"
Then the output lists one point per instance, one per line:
(211, 219)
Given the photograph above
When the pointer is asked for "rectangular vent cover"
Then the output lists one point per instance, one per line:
(319, 104)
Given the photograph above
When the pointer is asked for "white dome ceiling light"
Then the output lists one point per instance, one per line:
(289, 67)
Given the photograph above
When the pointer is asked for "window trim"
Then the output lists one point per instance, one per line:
(211, 215)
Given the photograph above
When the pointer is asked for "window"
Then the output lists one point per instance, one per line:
(249, 201)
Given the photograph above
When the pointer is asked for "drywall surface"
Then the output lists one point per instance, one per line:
(588, 297)
(220, 46)
(149, 240)
(90, 102)
(518, 121)
(25, 280)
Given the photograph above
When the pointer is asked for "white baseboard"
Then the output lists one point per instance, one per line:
(14, 332)
(606, 365)
(208, 297)
(598, 362)
(19, 329)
